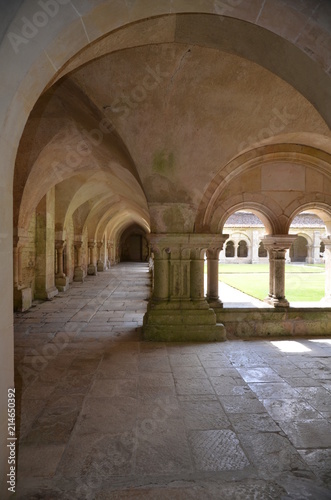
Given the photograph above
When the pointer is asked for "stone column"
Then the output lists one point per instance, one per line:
(92, 267)
(212, 273)
(178, 310)
(327, 255)
(161, 274)
(197, 275)
(255, 247)
(100, 264)
(61, 280)
(277, 246)
(108, 260)
(310, 258)
(212, 277)
(316, 247)
(45, 288)
(22, 293)
(78, 271)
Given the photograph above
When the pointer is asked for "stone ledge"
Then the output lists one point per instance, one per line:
(266, 323)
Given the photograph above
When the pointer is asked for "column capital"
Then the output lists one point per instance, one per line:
(78, 244)
(278, 242)
(171, 242)
(99, 244)
(60, 244)
(91, 243)
(327, 241)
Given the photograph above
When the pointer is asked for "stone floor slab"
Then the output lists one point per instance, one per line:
(217, 450)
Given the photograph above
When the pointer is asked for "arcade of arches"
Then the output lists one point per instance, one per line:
(135, 129)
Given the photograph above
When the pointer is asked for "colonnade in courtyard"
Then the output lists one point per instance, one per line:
(179, 306)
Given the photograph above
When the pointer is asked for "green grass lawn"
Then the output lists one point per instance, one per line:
(302, 283)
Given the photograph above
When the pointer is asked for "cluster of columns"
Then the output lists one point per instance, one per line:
(49, 283)
(179, 309)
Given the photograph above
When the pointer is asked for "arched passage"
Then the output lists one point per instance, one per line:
(134, 245)
(75, 37)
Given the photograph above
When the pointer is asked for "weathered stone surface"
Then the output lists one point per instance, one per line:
(195, 420)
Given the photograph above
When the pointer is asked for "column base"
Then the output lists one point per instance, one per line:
(275, 302)
(47, 294)
(62, 283)
(215, 303)
(92, 270)
(100, 266)
(79, 274)
(22, 299)
(182, 321)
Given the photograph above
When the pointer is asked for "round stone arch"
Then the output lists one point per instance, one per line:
(26, 77)
(320, 208)
(313, 163)
(257, 208)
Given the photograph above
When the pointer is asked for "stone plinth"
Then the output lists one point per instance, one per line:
(22, 298)
(62, 283)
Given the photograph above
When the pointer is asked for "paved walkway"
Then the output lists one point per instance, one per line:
(104, 415)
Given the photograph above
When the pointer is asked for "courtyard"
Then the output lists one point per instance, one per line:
(304, 283)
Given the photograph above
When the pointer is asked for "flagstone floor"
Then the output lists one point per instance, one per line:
(105, 415)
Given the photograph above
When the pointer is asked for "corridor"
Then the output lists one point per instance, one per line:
(105, 415)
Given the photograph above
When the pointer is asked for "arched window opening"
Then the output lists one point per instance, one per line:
(305, 270)
(262, 253)
(299, 250)
(242, 251)
(229, 251)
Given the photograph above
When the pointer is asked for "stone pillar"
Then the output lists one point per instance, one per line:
(92, 267)
(108, 260)
(277, 246)
(255, 247)
(197, 265)
(61, 280)
(45, 288)
(316, 247)
(161, 274)
(22, 293)
(327, 255)
(310, 258)
(212, 273)
(178, 310)
(100, 264)
(78, 271)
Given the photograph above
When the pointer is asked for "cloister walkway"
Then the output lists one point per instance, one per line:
(105, 415)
